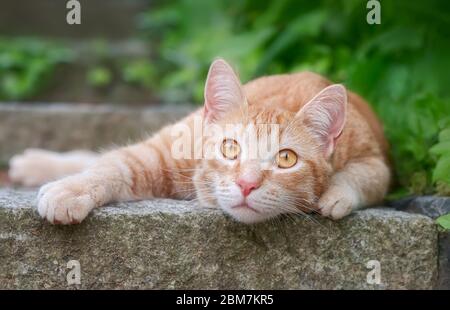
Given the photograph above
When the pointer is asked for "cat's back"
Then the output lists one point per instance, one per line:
(286, 91)
(292, 91)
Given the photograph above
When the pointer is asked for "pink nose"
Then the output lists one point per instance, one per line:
(247, 186)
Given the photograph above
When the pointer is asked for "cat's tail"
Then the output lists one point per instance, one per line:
(35, 167)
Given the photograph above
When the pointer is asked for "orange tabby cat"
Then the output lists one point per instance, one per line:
(331, 156)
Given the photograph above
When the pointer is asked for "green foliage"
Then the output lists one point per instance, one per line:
(444, 221)
(99, 76)
(26, 65)
(441, 172)
(139, 72)
(400, 66)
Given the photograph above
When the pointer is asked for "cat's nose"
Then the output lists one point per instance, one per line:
(247, 186)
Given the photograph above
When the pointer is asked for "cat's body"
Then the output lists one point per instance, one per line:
(333, 156)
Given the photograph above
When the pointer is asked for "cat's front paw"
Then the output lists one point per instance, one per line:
(67, 201)
(33, 167)
(337, 202)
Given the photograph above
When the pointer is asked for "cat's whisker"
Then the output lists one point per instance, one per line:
(293, 209)
(301, 202)
(309, 217)
(294, 199)
(277, 222)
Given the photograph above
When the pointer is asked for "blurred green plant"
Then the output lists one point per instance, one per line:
(441, 172)
(401, 66)
(26, 66)
(99, 76)
(139, 72)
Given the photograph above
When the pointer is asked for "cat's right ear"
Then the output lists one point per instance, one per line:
(223, 90)
(325, 114)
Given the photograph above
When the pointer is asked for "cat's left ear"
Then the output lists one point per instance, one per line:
(223, 90)
(324, 115)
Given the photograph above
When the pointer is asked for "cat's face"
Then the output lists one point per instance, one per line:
(289, 179)
(252, 186)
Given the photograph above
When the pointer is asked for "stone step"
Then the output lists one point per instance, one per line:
(63, 127)
(109, 19)
(176, 244)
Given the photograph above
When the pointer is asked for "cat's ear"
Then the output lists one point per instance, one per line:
(223, 90)
(324, 115)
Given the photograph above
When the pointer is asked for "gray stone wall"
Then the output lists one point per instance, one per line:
(176, 244)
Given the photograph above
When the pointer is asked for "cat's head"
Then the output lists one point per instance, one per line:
(287, 178)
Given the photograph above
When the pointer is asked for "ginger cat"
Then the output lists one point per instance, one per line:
(331, 156)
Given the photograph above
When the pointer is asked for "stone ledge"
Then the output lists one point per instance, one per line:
(175, 244)
(432, 206)
(64, 127)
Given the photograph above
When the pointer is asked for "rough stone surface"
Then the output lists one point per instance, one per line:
(444, 260)
(63, 127)
(432, 206)
(176, 244)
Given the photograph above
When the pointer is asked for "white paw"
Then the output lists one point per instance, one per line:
(67, 201)
(32, 168)
(337, 203)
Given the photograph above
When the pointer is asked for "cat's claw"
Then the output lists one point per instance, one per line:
(66, 201)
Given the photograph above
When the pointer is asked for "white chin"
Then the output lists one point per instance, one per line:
(246, 215)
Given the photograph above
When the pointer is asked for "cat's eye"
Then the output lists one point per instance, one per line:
(230, 149)
(286, 158)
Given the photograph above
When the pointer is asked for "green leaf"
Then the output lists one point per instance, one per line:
(441, 148)
(444, 135)
(442, 170)
(394, 40)
(304, 26)
(444, 221)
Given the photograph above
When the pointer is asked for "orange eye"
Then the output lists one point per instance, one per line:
(286, 158)
(230, 149)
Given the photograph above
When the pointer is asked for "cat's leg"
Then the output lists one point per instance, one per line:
(362, 182)
(35, 167)
(135, 172)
